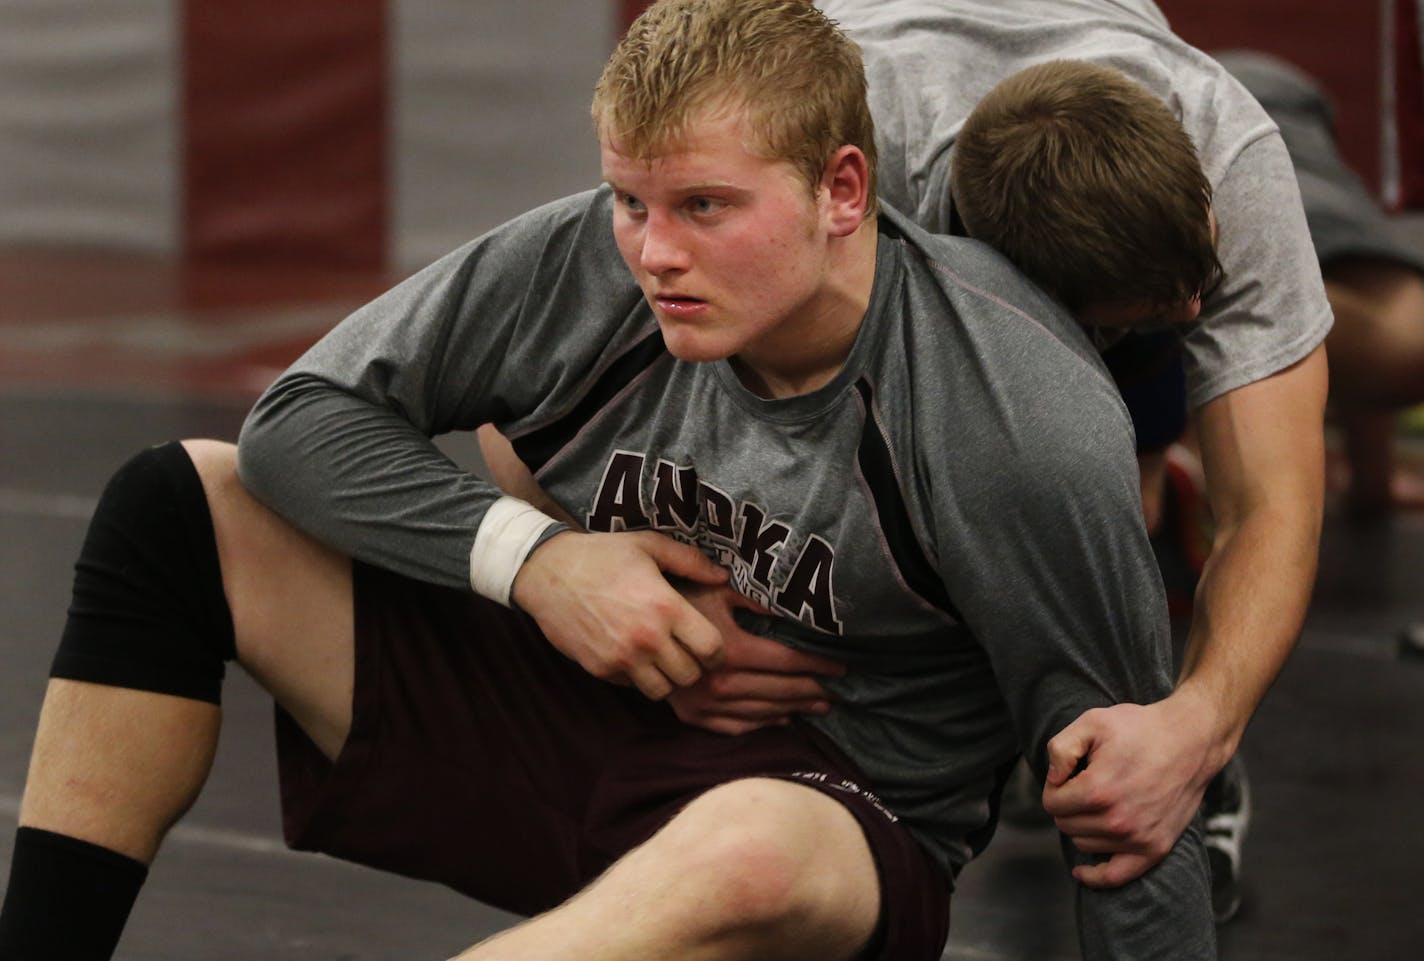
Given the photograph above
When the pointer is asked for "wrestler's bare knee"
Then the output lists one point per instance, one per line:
(773, 857)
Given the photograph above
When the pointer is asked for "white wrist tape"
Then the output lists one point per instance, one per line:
(506, 535)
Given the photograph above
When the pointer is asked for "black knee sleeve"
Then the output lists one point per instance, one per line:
(149, 610)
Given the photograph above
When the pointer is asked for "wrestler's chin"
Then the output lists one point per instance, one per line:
(696, 343)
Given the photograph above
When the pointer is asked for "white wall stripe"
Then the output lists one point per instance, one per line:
(489, 114)
(88, 125)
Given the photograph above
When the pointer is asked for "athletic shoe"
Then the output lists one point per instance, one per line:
(1226, 813)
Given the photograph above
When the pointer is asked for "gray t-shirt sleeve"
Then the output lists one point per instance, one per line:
(1270, 309)
(341, 444)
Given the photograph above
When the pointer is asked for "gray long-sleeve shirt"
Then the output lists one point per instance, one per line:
(955, 515)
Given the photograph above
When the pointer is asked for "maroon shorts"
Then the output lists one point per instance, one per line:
(482, 758)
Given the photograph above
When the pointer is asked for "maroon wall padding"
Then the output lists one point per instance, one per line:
(628, 11)
(1337, 43)
(285, 132)
(1409, 103)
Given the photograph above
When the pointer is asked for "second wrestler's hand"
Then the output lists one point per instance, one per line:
(762, 682)
(603, 600)
(1147, 768)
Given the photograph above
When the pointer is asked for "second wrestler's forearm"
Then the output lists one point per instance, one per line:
(1249, 608)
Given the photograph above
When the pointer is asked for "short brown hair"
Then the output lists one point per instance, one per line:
(1089, 184)
(798, 77)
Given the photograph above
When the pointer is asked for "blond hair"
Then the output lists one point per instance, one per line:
(800, 81)
(1089, 184)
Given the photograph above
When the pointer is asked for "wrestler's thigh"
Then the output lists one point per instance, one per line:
(290, 598)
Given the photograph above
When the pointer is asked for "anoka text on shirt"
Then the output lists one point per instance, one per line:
(740, 535)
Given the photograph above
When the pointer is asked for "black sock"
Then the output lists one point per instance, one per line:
(68, 899)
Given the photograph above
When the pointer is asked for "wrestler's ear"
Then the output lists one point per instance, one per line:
(845, 190)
